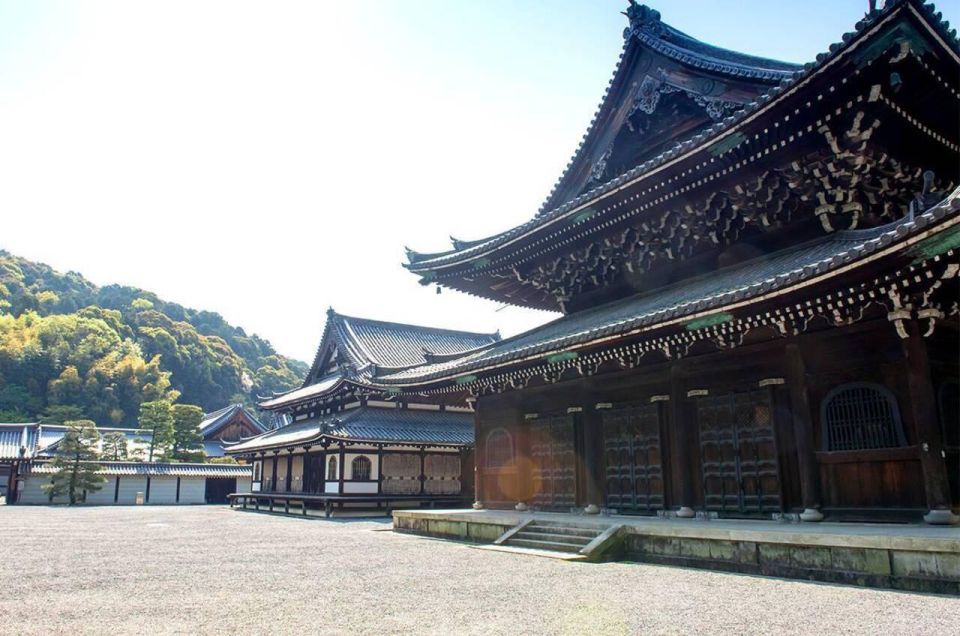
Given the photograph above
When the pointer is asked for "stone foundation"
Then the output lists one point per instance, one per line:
(916, 559)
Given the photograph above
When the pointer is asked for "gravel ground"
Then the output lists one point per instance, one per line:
(212, 570)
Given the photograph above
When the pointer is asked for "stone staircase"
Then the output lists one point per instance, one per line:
(568, 541)
(550, 536)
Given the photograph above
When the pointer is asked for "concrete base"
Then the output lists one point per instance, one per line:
(592, 509)
(915, 557)
(941, 518)
(811, 514)
(521, 507)
(477, 505)
(686, 512)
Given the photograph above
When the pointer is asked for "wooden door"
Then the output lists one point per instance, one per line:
(554, 463)
(633, 459)
(313, 474)
(738, 453)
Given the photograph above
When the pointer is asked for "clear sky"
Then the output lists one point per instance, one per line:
(266, 160)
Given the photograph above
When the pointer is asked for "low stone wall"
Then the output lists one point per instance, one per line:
(916, 562)
(476, 532)
(937, 572)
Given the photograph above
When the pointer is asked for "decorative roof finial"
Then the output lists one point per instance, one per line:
(642, 18)
(330, 311)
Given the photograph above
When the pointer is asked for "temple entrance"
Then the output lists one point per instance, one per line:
(738, 453)
(554, 458)
(313, 474)
(633, 459)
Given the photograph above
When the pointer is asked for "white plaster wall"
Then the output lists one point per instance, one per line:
(104, 496)
(243, 484)
(331, 488)
(129, 487)
(358, 487)
(163, 490)
(193, 490)
(31, 491)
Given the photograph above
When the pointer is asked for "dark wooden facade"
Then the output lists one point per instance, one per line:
(761, 312)
(738, 434)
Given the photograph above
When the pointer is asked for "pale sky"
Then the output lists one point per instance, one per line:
(266, 160)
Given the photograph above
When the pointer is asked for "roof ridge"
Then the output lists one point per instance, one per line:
(702, 139)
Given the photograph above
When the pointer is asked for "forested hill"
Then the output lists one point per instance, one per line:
(64, 342)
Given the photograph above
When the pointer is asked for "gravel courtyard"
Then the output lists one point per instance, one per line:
(214, 570)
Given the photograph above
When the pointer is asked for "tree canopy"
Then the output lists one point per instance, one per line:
(76, 471)
(70, 350)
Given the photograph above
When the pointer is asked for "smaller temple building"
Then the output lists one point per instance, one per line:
(229, 424)
(351, 444)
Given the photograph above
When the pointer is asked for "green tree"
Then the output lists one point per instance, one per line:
(114, 446)
(157, 417)
(60, 413)
(76, 471)
(186, 432)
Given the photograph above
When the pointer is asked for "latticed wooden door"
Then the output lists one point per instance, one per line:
(634, 464)
(738, 453)
(553, 455)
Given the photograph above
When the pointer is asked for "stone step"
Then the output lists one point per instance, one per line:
(555, 546)
(587, 533)
(552, 536)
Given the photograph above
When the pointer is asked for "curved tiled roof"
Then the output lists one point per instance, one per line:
(371, 424)
(157, 469)
(212, 422)
(710, 292)
(423, 262)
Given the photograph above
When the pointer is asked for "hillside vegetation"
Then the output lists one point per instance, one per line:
(68, 346)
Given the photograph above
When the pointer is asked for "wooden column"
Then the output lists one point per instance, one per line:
(379, 469)
(681, 457)
(479, 457)
(423, 474)
(592, 456)
(289, 479)
(341, 470)
(273, 474)
(802, 419)
(924, 411)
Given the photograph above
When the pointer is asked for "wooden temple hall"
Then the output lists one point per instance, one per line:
(757, 266)
(351, 444)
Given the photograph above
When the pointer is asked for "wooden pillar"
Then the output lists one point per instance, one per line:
(802, 419)
(273, 475)
(479, 457)
(423, 473)
(924, 411)
(682, 458)
(322, 484)
(341, 470)
(289, 479)
(379, 469)
(592, 421)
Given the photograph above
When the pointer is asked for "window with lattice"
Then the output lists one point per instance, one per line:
(332, 469)
(861, 416)
(360, 468)
(499, 448)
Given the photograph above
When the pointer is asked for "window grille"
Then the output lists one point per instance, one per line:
(861, 416)
(499, 449)
(332, 469)
(360, 467)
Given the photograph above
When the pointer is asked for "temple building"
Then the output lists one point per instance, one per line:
(229, 424)
(757, 266)
(351, 444)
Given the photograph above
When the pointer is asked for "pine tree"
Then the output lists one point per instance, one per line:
(186, 431)
(114, 446)
(76, 471)
(157, 417)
